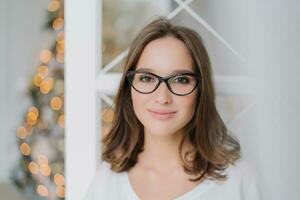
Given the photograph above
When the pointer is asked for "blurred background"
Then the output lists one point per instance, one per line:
(254, 50)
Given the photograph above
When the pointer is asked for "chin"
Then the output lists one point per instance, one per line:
(161, 130)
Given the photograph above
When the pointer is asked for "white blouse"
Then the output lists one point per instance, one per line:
(240, 185)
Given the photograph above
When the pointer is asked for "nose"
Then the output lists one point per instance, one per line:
(163, 94)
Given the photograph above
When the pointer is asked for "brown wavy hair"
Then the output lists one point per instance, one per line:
(213, 148)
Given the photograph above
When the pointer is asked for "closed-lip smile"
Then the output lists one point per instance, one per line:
(162, 114)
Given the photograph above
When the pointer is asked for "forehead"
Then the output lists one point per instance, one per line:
(165, 56)
(178, 71)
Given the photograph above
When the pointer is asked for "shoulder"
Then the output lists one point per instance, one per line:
(104, 173)
(239, 185)
(104, 183)
(242, 168)
(104, 168)
(242, 172)
(243, 176)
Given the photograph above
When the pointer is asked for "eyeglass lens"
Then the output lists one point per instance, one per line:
(180, 84)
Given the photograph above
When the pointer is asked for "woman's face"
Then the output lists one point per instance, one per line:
(163, 57)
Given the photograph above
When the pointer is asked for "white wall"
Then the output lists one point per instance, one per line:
(21, 39)
(3, 80)
(267, 34)
(277, 61)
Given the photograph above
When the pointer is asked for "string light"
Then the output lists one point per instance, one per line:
(22, 132)
(105, 130)
(58, 23)
(37, 80)
(59, 179)
(53, 6)
(45, 56)
(43, 71)
(60, 46)
(25, 149)
(42, 190)
(44, 167)
(33, 167)
(45, 170)
(43, 160)
(108, 115)
(56, 103)
(60, 191)
(34, 110)
(46, 85)
(34, 118)
(32, 115)
(61, 121)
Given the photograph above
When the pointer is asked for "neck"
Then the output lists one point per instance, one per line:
(161, 151)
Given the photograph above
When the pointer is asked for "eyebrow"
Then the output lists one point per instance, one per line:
(174, 72)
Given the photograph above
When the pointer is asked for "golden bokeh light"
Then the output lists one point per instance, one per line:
(42, 190)
(53, 6)
(60, 46)
(59, 179)
(43, 160)
(33, 167)
(43, 71)
(25, 149)
(60, 191)
(45, 56)
(37, 80)
(34, 110)
(105, 130)
(108, 115)
(46, 85)
(45, 170)
(22, 132)
(31, 119)
(58, 23)
(32, 115)
(56, 103)
(61, 121)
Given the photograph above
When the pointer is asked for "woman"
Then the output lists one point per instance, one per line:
(167, 139)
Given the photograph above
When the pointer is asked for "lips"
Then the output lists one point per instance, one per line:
(162, 114)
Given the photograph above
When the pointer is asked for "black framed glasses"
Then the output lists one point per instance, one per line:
(179, 84)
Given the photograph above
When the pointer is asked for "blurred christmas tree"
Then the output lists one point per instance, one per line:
(40, 171)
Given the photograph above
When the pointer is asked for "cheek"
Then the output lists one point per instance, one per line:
(189, 104)
(138, 100)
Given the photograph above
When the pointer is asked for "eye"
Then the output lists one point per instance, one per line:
(146, 78)
(181, 79)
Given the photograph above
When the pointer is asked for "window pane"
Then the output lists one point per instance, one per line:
(121, 21)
